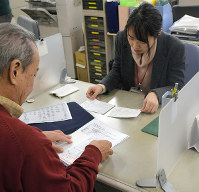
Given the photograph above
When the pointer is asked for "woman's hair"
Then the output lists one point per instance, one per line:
(145, 20)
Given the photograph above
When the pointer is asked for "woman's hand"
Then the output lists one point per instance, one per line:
(150, 104)
(94, 91)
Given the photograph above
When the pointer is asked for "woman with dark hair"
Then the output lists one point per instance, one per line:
(147, 60)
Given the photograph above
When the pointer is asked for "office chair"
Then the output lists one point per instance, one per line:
(29, 24)
(191, 61)
(180, 10)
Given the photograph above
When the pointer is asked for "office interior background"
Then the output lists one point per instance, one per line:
(72, 20)
(72, 57)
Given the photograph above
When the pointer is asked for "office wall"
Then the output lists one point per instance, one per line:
(16, 6)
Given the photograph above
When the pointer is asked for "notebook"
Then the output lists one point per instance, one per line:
(65, 90)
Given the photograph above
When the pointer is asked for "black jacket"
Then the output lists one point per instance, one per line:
(168, 65)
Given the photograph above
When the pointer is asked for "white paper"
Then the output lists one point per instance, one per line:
(59, 112)
(42, 47)
(65, 90)
(96, 106)
(121, 112)
(73, 150)
(94, 130)
(187, 24)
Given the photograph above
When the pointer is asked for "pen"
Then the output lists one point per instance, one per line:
(175, 89)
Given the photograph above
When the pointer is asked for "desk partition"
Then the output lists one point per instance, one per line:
(50, 65)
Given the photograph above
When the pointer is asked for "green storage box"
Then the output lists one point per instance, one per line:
(131, 3)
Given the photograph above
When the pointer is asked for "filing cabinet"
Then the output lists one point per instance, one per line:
(99, 46)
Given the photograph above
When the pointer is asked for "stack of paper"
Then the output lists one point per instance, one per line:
(186, 28)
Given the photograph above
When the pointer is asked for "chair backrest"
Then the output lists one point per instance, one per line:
(29, 24)
(180, 10)
(191, 61)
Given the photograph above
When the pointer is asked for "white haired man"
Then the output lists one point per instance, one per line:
(27, 161)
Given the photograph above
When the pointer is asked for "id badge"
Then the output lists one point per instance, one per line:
(135, 90)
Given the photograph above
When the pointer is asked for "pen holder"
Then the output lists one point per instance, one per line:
(166, 98)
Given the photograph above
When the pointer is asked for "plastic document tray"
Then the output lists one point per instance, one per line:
(40, 15)
(92, 42)
(98, 69)
(98, 56)
(94, 20)
(93, 4)
(95, 26)
(95, 80)
(96, 49)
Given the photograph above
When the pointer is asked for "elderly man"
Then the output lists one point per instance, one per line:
(27, 160)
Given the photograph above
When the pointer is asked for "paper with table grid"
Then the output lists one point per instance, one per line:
(93, 130)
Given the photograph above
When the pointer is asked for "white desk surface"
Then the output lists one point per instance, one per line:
(136, 157)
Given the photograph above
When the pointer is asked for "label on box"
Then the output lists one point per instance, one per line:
(42, 47)
(80, 65)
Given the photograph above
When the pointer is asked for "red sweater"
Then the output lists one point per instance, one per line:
(29, 163)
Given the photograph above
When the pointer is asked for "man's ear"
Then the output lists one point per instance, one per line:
(15, 70)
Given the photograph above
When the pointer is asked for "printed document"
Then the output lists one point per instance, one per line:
(96, 106)
(59, 112)
(93, 130)
(122, 112)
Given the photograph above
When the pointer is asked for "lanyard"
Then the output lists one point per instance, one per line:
(140, 83)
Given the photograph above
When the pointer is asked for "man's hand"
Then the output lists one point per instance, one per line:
(94, 91)
(150, 104)
(57, 135)
(104, 146)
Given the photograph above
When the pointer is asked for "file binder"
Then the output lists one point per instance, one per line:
(112, 17)
(79, 118)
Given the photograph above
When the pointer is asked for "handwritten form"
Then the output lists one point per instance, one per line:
(93, 130)
(121, 112)
(96, 106)
(59, 112)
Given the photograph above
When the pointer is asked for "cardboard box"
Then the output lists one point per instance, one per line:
(81, 66)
